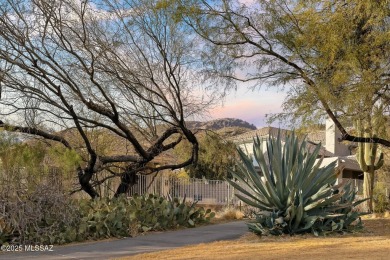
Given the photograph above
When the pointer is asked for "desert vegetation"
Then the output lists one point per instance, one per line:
(47, 216)
(97, 92)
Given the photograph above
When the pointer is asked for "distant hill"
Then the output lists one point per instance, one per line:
(221, 123)
(227, 132)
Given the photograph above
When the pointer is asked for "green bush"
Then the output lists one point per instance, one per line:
(128, 216)
(293, 194)
(158, 213)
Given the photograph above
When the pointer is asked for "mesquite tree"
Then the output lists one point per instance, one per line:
(332, 55)
(121, 67)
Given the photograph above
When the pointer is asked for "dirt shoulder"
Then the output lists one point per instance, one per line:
(372, 243)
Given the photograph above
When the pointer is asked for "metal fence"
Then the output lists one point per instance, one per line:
(215, 192)
(357, 183)
(212, 192)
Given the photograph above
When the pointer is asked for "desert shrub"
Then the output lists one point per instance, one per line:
(381, 201)
(44, 215)
(6, 230)
(294, 194)
(229, 213)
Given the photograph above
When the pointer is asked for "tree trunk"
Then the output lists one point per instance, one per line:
(128, 179)
(368, 189)
(84, 178)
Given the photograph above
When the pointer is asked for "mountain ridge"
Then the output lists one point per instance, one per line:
(221, 123)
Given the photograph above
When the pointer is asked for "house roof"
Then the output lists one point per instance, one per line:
(313, 139)
(350, 162)
(262, 132)
(346, 162)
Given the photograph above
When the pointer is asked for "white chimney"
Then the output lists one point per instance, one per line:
(332, 144)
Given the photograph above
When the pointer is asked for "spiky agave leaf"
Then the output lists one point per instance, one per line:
(293, 189)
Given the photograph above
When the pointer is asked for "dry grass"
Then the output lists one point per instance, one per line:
(372, 243)
(229, 214)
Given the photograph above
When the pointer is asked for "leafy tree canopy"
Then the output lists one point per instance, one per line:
(125, 68)
(216, 157)
(332, 56)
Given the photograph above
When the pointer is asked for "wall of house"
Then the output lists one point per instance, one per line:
(247, 147)
(332, 134)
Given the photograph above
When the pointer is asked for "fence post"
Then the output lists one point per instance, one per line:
(232, 197)
(228, 194)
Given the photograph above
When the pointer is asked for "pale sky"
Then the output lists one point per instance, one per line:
(251, 106)
(247, 2)
(248, 105)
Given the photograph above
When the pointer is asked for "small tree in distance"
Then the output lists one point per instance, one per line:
(216, 157)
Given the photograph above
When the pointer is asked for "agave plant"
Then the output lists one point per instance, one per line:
(293, 194)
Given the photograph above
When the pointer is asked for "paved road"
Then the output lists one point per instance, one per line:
(131, 246)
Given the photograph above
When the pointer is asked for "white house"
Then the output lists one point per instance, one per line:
(331, 149)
